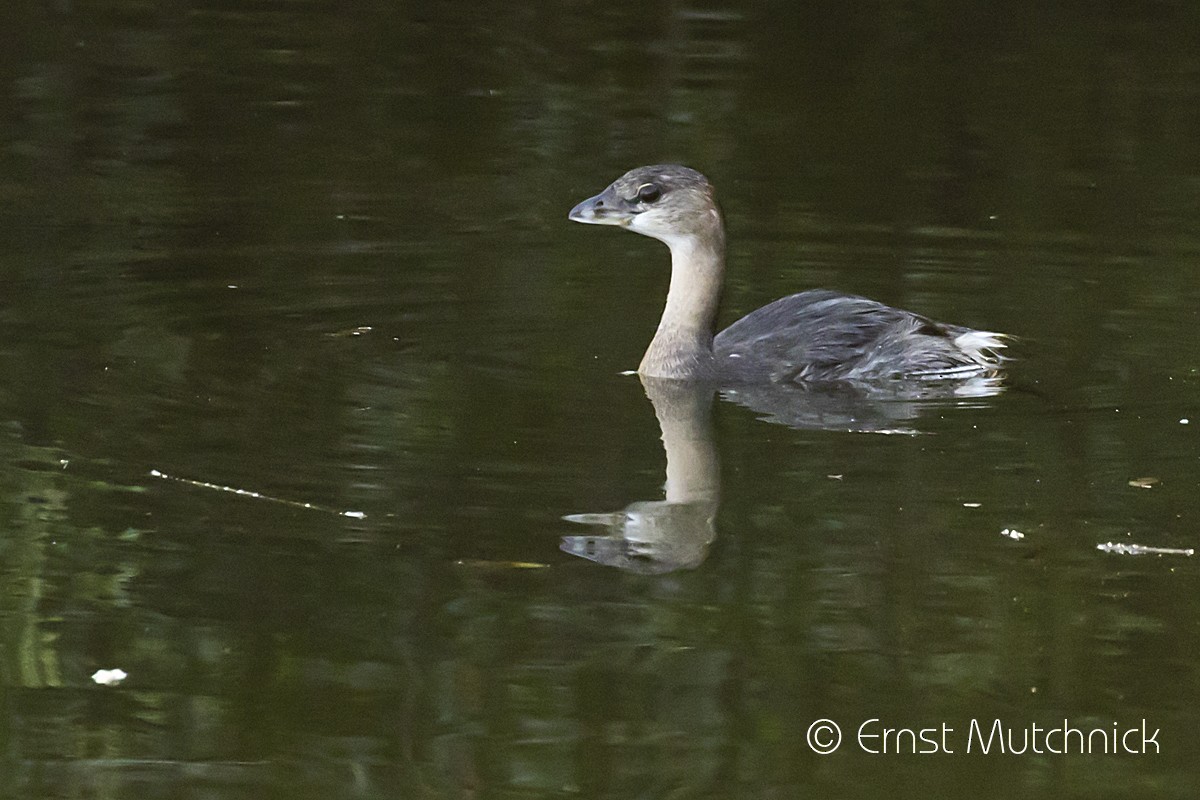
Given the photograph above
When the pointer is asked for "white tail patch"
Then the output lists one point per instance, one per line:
(982, 346)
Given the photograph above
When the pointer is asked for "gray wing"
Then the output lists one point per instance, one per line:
(821, 335)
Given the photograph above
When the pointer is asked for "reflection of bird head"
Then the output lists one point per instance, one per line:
(648, 537)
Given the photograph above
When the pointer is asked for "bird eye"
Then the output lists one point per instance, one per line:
(648, 193)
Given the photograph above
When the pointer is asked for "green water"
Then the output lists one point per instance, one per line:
(302, 366)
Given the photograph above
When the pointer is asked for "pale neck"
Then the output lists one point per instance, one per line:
(682, 346)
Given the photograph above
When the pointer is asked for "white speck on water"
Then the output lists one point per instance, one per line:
(1012, 533)
(109, 677)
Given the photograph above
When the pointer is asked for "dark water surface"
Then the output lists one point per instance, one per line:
(318, 253)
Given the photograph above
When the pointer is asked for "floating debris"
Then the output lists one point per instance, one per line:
(972, 505)
(1144, 550)
(357, 331)
(257, 495)
(482, 563)
(1013, 534)
(109, 677)
(1144, 483)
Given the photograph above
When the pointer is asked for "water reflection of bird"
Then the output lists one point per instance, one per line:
(655, 536)
(818, 336)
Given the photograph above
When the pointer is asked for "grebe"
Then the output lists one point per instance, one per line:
(817, 336)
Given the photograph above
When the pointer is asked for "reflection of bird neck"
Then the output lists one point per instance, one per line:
(682, 345)
(684, 414)
(655, 536)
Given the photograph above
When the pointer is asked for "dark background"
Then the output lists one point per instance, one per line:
(319, 252)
